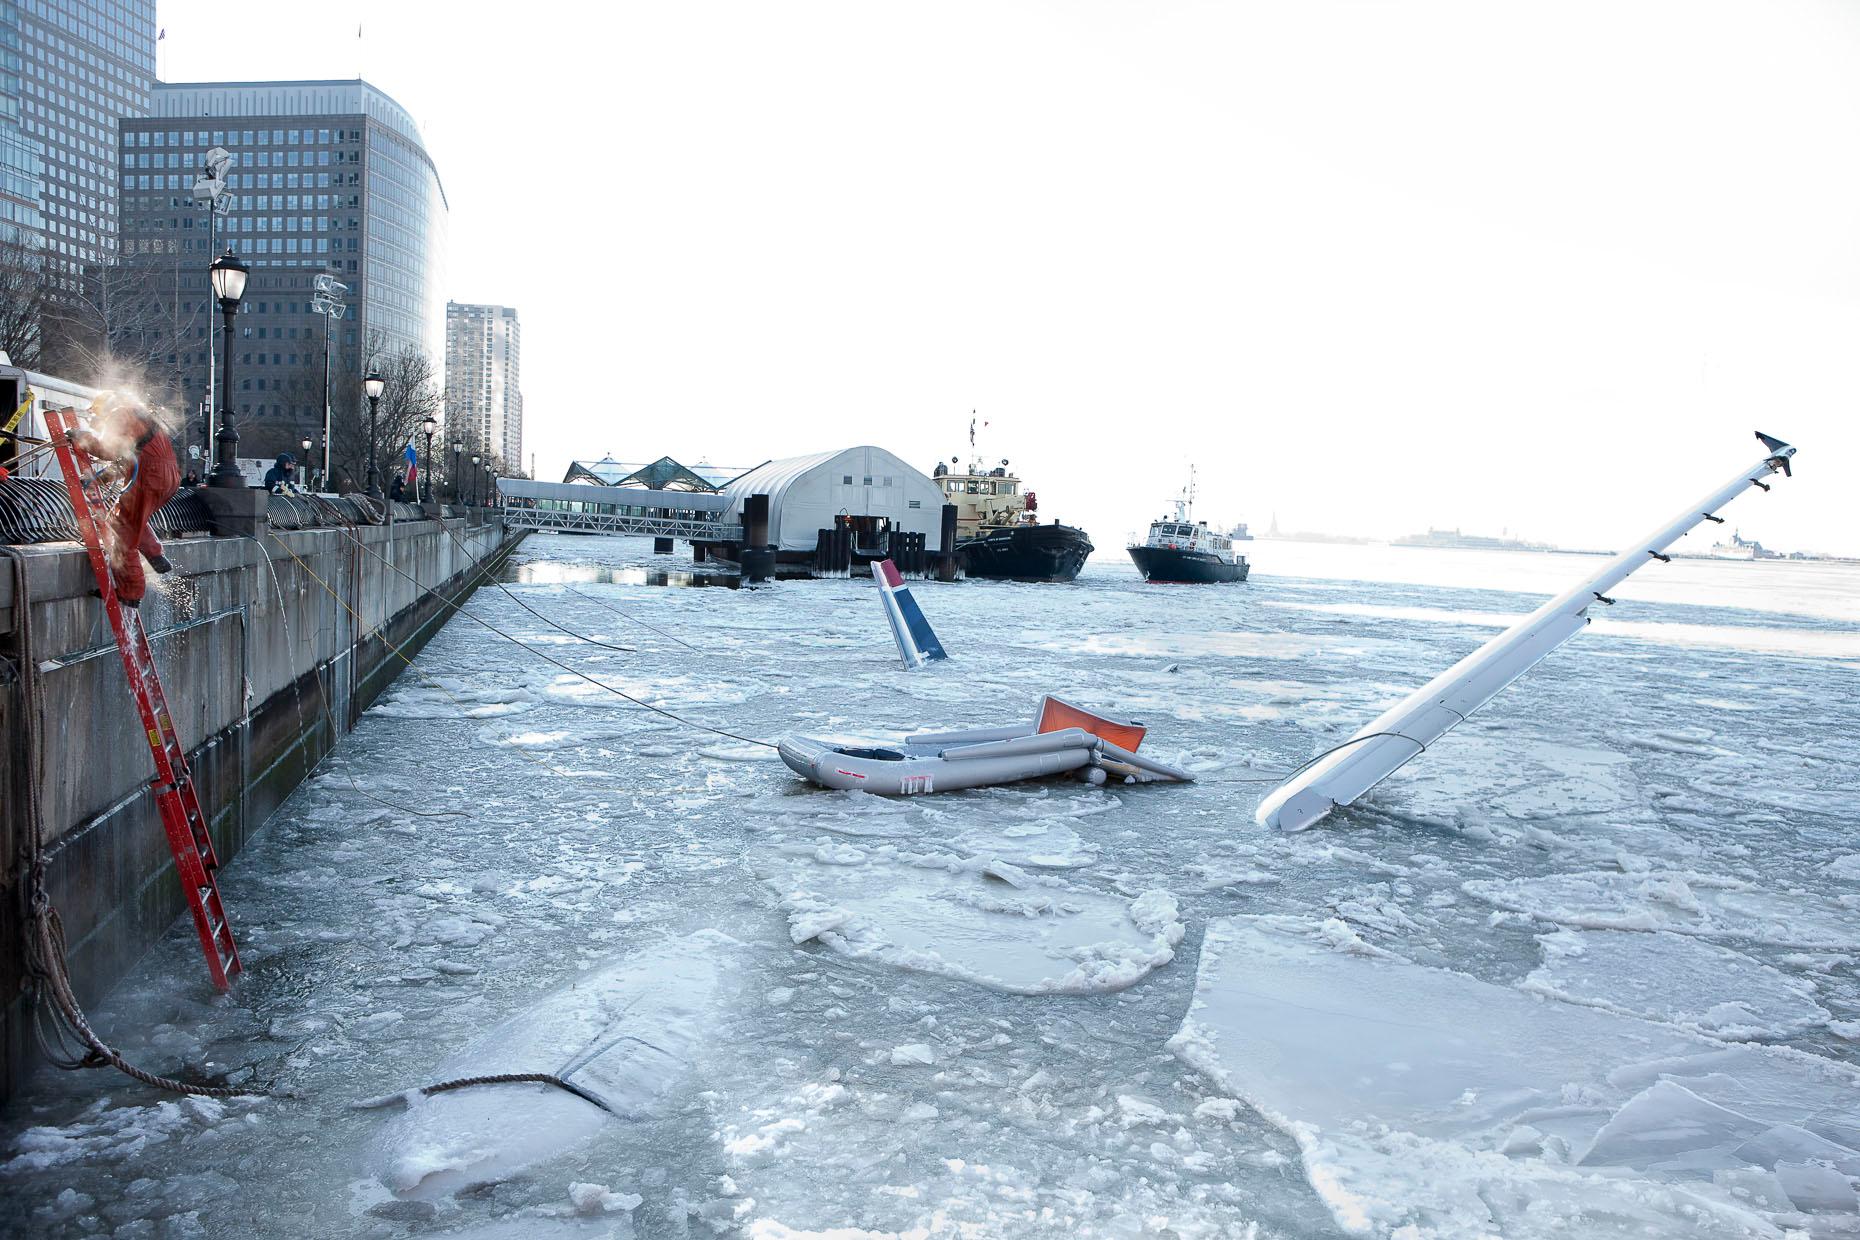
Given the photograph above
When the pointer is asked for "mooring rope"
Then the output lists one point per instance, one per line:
(459, 609)
(47, 972)
(501, 1078)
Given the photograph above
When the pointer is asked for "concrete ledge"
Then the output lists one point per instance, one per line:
(270, 647)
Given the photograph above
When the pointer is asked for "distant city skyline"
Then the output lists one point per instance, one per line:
(1376, 267)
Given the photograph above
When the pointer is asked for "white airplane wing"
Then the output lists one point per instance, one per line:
(1424, 716)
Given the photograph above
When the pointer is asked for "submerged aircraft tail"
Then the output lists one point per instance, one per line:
(1407, 728)
(916, 643)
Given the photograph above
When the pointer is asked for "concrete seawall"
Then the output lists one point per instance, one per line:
(265, 667)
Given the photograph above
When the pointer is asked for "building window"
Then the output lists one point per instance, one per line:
(846, 480)
(916, 503)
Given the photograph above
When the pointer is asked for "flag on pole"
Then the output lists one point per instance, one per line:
(413, 465)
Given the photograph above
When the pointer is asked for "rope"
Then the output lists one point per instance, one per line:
(503, 1078)
(626, 616)
(573, 671)
(47, 972)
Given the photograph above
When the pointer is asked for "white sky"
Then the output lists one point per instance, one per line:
(1370, 265)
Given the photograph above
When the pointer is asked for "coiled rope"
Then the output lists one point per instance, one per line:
(48, 978)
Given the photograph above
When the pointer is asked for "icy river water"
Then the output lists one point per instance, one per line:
(1591, 966)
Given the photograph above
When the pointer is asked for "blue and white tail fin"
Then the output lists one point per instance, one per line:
(916, 642)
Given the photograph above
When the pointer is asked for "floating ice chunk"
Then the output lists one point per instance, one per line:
(1813, 1187)
(1036, 938)
(1684, 902)
(1407, 1089)
(1680, 980)
(913, 1053)
(627, 1034)
(1042, 845)
(599, 1199)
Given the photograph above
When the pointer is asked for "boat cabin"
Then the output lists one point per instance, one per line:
(985, 497)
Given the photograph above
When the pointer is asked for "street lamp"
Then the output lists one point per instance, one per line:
(229, 286)
(474, 477)
(457, 449)
(431, 427)
(374, 385)
(306, 461)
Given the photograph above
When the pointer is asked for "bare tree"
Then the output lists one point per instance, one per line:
(22, 301)
(122, 324)
(411, 395)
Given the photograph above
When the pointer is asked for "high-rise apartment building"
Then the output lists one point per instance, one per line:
(484, 401)
(330, 177)
(69, 71)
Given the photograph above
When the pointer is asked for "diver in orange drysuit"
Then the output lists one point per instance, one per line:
(123, 432)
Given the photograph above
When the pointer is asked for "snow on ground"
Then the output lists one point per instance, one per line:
(1589, 966)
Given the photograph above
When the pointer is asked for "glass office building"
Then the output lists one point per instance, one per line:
(484, 394)
(329, 177)
(69, 71)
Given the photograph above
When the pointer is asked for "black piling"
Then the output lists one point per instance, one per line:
(946, 555)
(699, 552)
(758, 557)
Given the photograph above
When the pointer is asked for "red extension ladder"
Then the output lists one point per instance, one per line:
(194, 859)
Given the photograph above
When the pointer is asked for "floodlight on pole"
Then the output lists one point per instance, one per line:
(210, 192)
(328, 303)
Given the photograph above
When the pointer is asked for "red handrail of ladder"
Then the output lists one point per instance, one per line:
(194, 860)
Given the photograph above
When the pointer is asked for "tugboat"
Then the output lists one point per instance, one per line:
(998, 531)
(1186, 550)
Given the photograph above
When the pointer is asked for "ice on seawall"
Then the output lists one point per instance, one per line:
(1431, 1101)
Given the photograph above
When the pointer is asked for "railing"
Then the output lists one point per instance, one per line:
(585, 509)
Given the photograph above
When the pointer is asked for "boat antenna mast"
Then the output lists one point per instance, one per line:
(1185, 503)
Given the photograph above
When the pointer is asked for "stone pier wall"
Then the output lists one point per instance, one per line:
(264, 669)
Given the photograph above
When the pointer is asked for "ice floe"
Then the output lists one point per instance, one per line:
(627, 1034)
(1431, 1103)
(1676, 979)
(980, 921)
(1681, 901)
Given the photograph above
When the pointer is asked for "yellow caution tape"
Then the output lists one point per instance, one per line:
(18, 413)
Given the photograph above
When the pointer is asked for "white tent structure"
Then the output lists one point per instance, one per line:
(807, 492)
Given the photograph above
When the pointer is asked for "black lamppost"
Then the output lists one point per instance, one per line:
(228, 275)
(374, 385)
(474, 478)
(431, 427)
(306, 461)
(457, 449)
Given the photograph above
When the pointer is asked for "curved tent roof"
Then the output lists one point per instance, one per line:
(806, 492)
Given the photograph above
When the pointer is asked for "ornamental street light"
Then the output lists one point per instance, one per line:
(474, 477)
(374, 385)
(306, 460)
(229, 276)
(431, 427)
(457, 448)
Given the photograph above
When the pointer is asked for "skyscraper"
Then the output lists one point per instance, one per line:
(69, 70)
(329, 177)
(484, 402)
